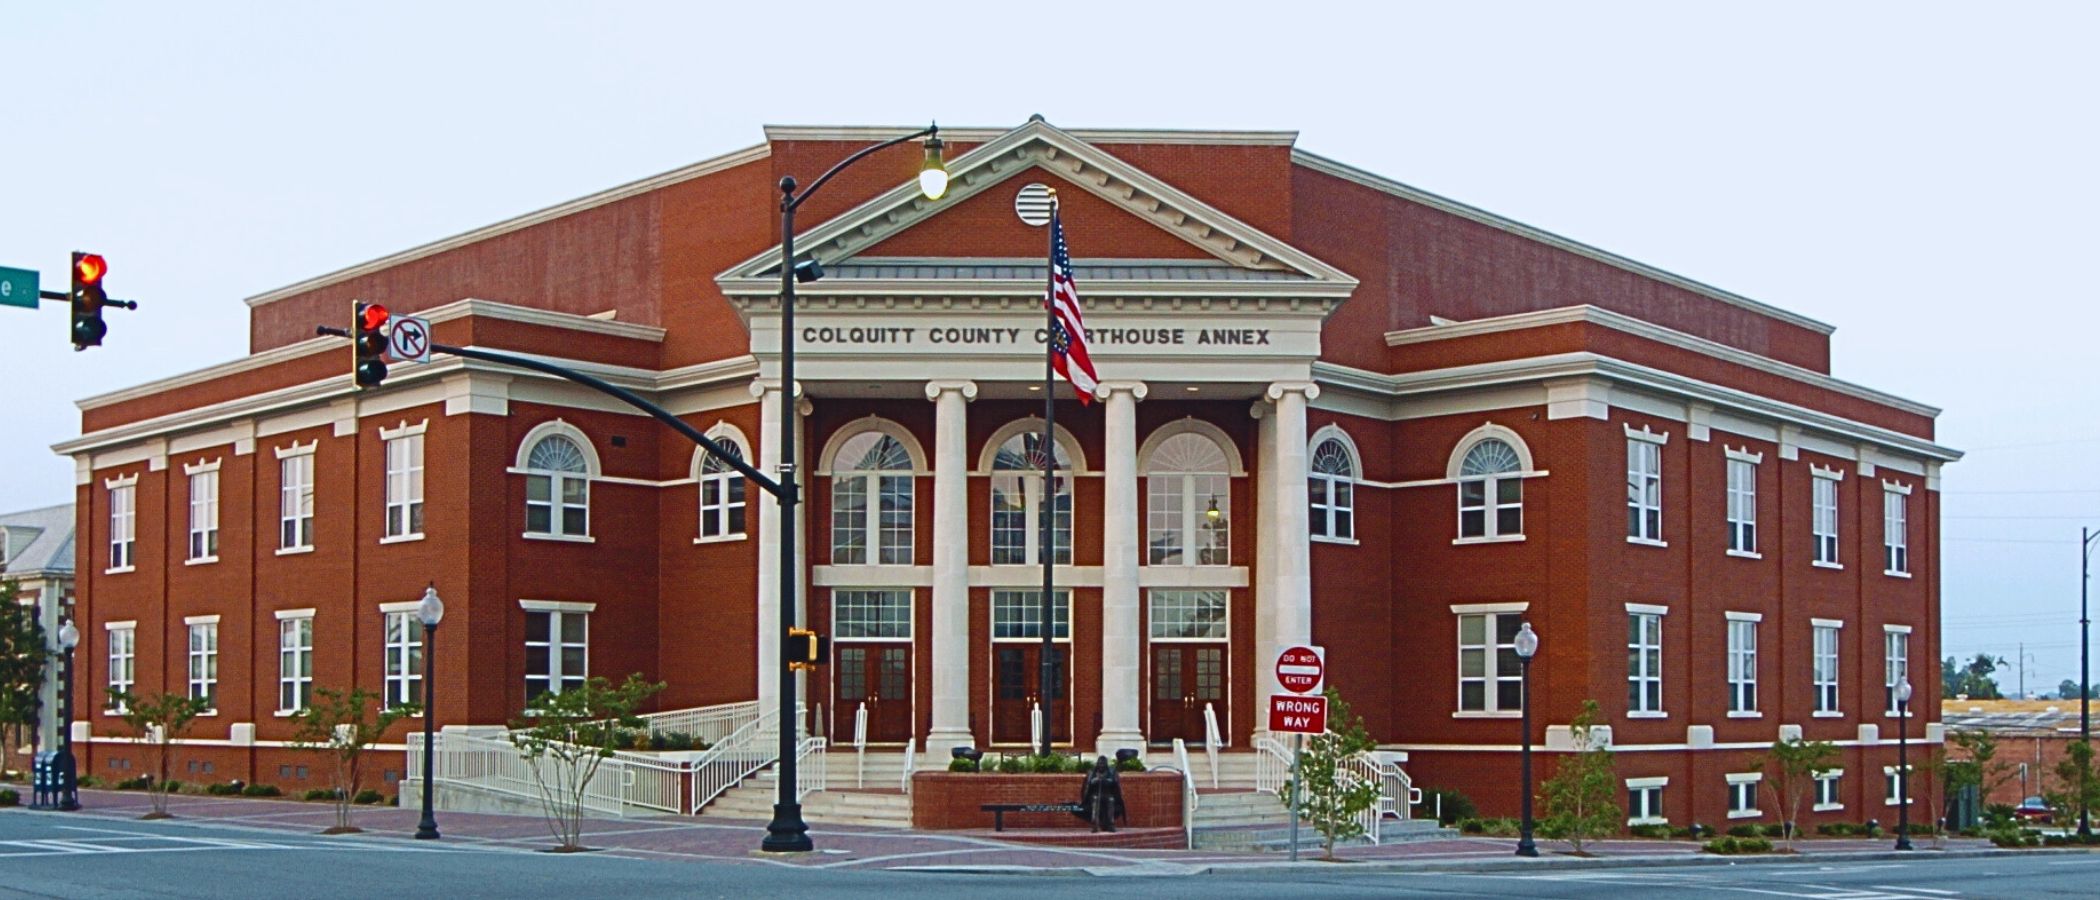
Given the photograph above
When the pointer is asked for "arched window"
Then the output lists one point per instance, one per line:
(1188, 502)
(1017, 502)
(721, 490)
(557, 488)
(1491, 491)
(1331, 490)
(871, 501)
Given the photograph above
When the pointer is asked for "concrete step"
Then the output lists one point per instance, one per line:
(1271, 837)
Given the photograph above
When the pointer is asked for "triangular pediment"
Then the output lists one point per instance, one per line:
(1190, 242)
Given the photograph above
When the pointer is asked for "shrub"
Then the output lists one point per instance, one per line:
(675, 740)
(367, 797)
(1734, 844)
(261, 790)
(1838, 829)
(961, 765)
(8, 797)
(320, 794)
(2014, 837)
(1745, 831)
(1489, 827)
(1130, 765)
(1777, 830)
(1650, 830)
(90, 781)
(1449, 806)
(139, 783)
(172, 787)
(226, 789)
(1054, 764)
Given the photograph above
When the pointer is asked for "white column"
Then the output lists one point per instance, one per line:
(1122, 683)
(804, 528)
(768, 549)
(1288, 543)
(951, 567)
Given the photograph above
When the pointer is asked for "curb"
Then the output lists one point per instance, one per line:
(1487, 865)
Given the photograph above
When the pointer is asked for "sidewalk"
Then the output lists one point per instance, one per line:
(685, 838)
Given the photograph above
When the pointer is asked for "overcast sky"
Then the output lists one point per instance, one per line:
(1919, 175)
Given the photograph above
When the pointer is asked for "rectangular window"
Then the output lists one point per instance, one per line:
(1742, 666)
(204, 515)
(1742, 795)
(1895, 527)
(204, 663)
(1825, 520)
(1892, 780)
(1644, 662)
(123, 525)
(890, 525)
(1017, 523)
(1019, 614)
(1827, 786)
(557, 652)
(1188, 520)
(122, 652)
(1896, 656)
(295, 662)
(1490, 676)
(1187, 615)
(404, 487)
(1826, 668)
(404, 659)
(1644, 801)
(1643, 490)
(295, 502)
(1742, 506)
(871, 614)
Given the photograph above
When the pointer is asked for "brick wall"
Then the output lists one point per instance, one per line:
(950, 800)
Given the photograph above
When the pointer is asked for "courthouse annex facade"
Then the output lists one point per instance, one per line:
(1335, 408)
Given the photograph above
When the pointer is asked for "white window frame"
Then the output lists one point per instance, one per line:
(1829, 790)
(1029, 481)
(1644, 496)
(403, 508)
(1825, 671)
(204, 513)
(1160, 600)
(1172, 507)
(558, 482)
(1331, 496)
(879, 628)
(295, 498)
(1649, 670)
(123, 663)
(1895, 529)
(558, 614)
(295, 659)
(1742, 502)
(1491, 675)
(1895, 653)
(1892, 778)
(402, 660)
(1644, 801)
(204, 661)
(1823, 523)
(1030, 617)
(123, 524)
(1743, 786)
(1742, 665)
(1490, 505)
(731, 489)
(878, 546)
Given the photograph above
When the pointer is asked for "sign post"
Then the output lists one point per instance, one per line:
(1297, 754)
(1301, 670)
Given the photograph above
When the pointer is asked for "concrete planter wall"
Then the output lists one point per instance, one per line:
(950, 800)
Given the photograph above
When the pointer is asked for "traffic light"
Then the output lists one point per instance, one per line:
(368, 337)
(807, 649)
(88, 299)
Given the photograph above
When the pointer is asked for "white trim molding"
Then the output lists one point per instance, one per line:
(1646, 434)
(212, 619)
(1486, 432)
(1647, 609)
(298, 449)
(562, 606)
(403, 430)
(1895, 487)
(1743, 455)
(1734, 616)
(1817, 471)
(1473, 609)
(202, 466)
(121, 625)
(306, 613)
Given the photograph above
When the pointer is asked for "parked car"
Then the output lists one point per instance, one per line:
(2034, 809)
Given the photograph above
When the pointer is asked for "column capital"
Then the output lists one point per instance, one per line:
(934, 389)
(1279, 388)
(1136, 389)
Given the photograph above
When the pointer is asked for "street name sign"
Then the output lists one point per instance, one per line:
(18, 287)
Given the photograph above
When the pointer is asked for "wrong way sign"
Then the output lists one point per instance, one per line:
(1297, 715)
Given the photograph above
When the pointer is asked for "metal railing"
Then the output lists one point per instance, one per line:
(736, 756)
(1188, 792)
(1212, 740)
(911, 762)
(1272, 764)
(860, 746)
(708, 723)
(624, 784)
(1396, 791)
(810, 770)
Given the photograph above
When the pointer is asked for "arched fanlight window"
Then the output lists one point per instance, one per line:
(1188, 503)
(871, 501)
(557, 488)
(721, 495)
(1331, 491)
(1017, 502)
(1491, 491)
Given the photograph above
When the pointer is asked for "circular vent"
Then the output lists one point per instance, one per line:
(1032, 204)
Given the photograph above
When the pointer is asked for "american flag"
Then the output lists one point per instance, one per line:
(1068, 354)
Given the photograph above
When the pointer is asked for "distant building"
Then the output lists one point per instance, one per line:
(36, 556)
(2032, 736)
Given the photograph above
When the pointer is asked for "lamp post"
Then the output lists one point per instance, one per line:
(787, 832)
(68, 774)
(2086, 536)
(1903, 763)
(430, 611)
(1527, 646)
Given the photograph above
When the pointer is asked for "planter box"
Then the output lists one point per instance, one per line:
(950, 800)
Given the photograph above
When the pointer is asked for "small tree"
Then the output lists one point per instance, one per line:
(158, 721)
(1791, 767)
(23, 658)
(1334, 795)
(1582, 796)
(1979, 768)
(342, 724)
(2073, 771)
(565, 737)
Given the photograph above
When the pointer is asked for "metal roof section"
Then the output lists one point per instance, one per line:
(39, 541)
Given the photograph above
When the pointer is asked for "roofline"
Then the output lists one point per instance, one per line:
(625, 191)
(979, 135)
(1377, 182)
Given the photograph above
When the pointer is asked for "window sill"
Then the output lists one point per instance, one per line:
(1828, 714)
(1648, 820)
(1895, 574)
(1323, 539)
(560, 538)
(1896, 802)
(120, 570)
(1745, 813)
(1487, 714)
(285, 713)
(1646, 542)
(1647, 714)
(1828, 565)
(721, 538)
(1826, 807)
(1745, 714)
(200, 561)
(1491, 539)
(208, 714)
(294, 551)
(402, 538)
(1746, 554)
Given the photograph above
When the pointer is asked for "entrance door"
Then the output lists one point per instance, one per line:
(878, 675)
(1016, 672)
(1184, 678)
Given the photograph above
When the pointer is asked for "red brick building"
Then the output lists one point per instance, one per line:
(1336, 408)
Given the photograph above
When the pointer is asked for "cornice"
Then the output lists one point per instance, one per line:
(489, 309)
(1599, 316)
(978, 135)
(602, 198)
(757, 295)
(1382, 184)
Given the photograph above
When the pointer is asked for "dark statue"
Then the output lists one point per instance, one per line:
(1101, 797)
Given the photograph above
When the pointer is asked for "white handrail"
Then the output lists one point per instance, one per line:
(810, 773)
(1211, 741)
(1035, 727)
(736, 756)
(1188, 792)
(1272, 764)
(860, 745)
(624, 783)
(708, 723)
(911, 761)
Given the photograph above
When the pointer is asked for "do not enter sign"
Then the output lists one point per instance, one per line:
(1301, 669)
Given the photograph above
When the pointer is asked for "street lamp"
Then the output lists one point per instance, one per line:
(430, 612)
(2086, 538)
(1527, 646)
(68, 774)
(1903, 763)
(787, 833)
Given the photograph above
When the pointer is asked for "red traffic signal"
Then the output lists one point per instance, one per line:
(368, 339)
(88, 268)
(372, 317)
(88, 298)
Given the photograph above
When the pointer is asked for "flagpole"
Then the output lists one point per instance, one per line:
(1046, 508)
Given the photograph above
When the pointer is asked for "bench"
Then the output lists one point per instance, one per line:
(999, 810)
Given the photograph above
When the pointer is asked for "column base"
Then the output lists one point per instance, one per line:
(940, 743)
(1111, 741)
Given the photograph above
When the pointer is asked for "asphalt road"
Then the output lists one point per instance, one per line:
(86, 857)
